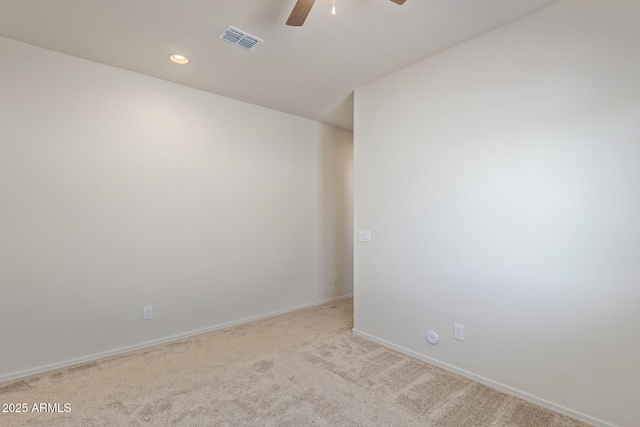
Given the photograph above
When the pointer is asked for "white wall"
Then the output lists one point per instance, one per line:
(501, 182)
(118, 191)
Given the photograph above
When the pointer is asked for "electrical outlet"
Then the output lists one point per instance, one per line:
(147, 313)
(335, 278)
(458, 332)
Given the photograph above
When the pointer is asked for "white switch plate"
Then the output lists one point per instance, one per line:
(458, 332)
(364, 235)
(147, 313)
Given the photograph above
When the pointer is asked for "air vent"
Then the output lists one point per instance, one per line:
(240, 38)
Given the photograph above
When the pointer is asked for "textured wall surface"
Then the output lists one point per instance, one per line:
(501, 185)
(120, 191)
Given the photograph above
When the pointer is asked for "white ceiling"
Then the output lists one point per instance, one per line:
(309, 71)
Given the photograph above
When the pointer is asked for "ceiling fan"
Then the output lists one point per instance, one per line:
(303, 7)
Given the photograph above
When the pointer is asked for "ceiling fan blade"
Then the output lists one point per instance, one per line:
(400, 2)
(300, 12)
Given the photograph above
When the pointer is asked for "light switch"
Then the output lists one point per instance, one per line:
(364, 235)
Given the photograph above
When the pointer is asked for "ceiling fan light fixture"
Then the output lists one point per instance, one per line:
(178, 59)
(303, 7)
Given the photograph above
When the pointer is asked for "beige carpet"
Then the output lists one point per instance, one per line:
(304, 368)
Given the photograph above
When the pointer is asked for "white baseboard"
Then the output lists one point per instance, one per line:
(488, 382)
(91, 357)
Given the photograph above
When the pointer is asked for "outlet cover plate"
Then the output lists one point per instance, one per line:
(458, 332)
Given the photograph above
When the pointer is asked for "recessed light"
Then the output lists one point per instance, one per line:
(179, 59)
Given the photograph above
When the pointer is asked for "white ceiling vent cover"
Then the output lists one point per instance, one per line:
(240, 38)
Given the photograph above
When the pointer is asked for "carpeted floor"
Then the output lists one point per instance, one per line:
(304, 368)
